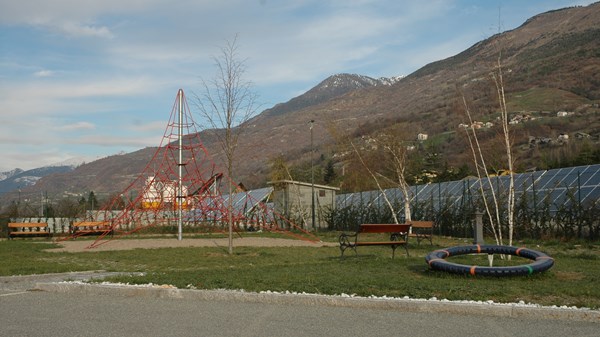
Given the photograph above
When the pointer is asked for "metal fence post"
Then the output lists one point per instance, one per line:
(478, 228)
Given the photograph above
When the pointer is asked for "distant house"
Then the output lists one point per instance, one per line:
(477, 125)
(422, 136)
(563, 137)
(294, 200)
(488, 125)
(563, 114)
(582, 135)
(463, 125)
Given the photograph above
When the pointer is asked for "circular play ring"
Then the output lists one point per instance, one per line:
(541, 262)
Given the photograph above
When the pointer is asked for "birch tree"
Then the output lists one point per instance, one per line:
(397, 154)
(395, 157)
(479, 158)
(499, 82)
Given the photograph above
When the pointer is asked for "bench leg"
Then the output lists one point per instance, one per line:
(394, 250)
(344, 247)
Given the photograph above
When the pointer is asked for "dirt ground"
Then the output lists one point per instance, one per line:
(126, 244)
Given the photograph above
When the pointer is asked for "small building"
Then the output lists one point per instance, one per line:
(422, 136)
(293, 199)
(476, 125)
(582, 135)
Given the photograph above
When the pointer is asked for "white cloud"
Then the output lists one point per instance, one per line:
(156, 127)
(41, 97)
(77, 126)
(115, 140)
(82, 30)
(44, 73)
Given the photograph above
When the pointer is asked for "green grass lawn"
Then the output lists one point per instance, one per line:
(573, 281)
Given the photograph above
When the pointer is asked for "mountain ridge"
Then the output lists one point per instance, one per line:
(333, 86)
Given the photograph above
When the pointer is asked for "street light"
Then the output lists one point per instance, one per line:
(312, 175)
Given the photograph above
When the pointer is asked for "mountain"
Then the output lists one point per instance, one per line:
(333, 86)
(19, 179)
(8, 174)
(551, 63)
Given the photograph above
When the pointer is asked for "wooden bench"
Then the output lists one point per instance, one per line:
(24, 229)
(398, 237)
(90, 228)
(422, 230)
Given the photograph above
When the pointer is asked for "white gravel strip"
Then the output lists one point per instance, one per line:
(486, 308)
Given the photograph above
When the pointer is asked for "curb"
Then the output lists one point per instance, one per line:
(399, 304)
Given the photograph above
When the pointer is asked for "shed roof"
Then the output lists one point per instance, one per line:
(293, 182)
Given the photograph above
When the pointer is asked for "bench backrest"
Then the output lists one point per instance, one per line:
(90, 224)
(27, 224)
(422, 224)
(384, 228)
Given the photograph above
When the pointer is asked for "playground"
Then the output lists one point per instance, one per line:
(78, 246)
(241, 242)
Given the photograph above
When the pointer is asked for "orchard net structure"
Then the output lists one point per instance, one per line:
(181, 186)
(555, 202)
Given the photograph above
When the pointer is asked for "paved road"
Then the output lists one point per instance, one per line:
(38, 313)
(43, 313)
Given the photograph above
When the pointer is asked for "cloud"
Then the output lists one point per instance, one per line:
(44, 73)
(82, 30)
(115, 140)
(41, 96)
(156, 127)
(77, 126)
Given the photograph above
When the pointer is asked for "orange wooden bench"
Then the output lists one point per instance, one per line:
(90, 228)
(24, 229)
(398, 237)
(422, 230)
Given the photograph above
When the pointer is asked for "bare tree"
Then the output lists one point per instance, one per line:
(482, 168)
(374, 175)
(394, 155)
(226, 102)
(482, 173)
(68, 208)
(396, 151)
(499, 82)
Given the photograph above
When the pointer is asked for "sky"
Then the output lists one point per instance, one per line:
(85, 79)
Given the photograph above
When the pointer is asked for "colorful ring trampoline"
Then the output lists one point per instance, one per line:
(541, 262)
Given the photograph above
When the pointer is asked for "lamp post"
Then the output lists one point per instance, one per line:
(312, 175)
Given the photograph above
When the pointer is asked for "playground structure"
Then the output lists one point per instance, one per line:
(182, 185)
(437, 260)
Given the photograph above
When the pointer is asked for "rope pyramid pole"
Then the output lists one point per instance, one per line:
(180, 197)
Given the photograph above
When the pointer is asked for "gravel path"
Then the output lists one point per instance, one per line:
(74, 246)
